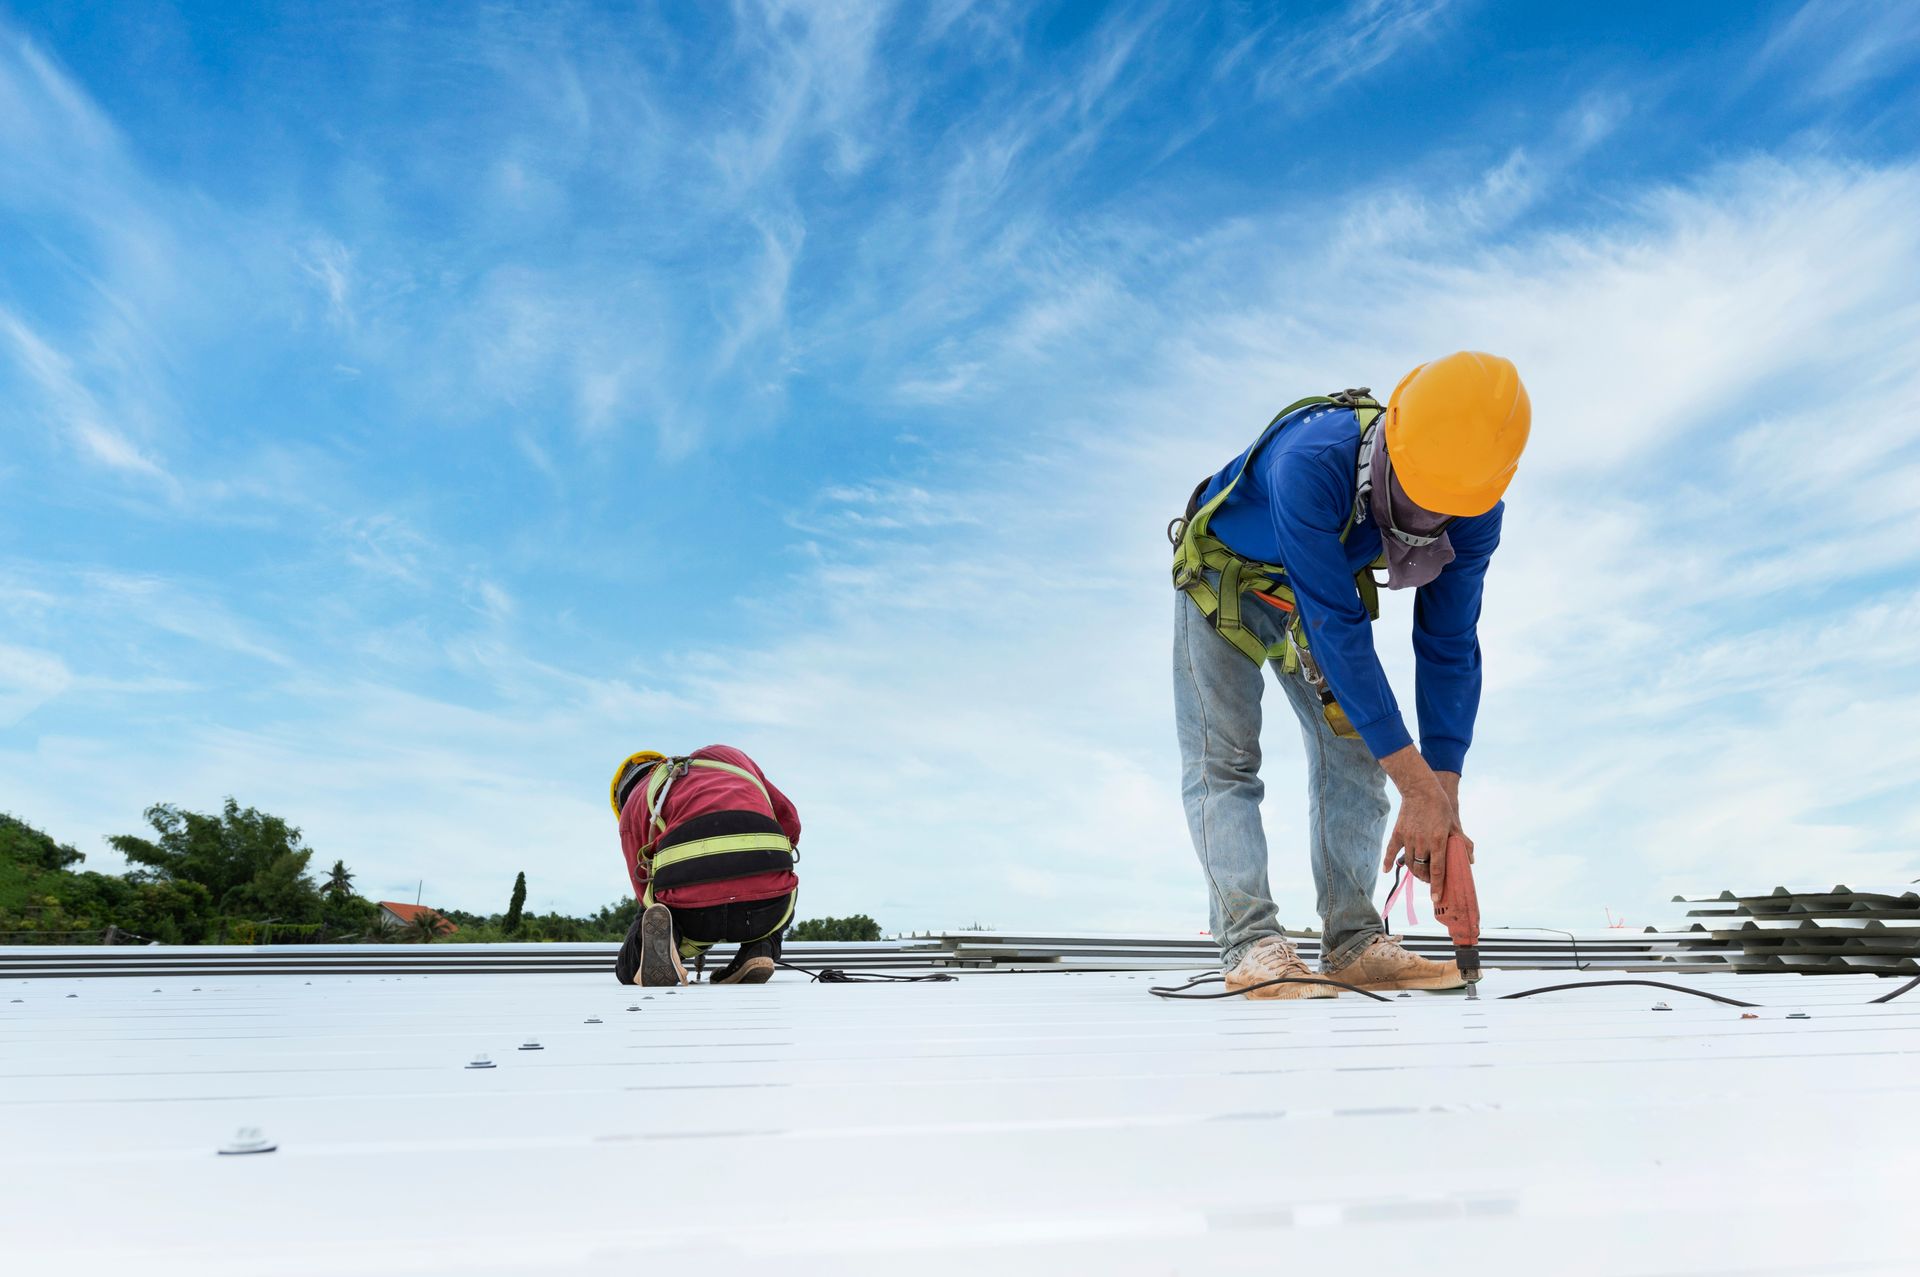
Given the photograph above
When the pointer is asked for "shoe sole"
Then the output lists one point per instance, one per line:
(753, 971)
(1430, 984)
(657, 965)
(1286, 992)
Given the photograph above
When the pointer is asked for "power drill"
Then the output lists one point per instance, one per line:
(1457, 906)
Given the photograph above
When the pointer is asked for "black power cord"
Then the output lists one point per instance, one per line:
(1216, 977)
(1180, 991)
(1600, 984)
(835, 975)
(1897, 992)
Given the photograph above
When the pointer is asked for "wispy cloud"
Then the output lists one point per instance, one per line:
(1357, 39)
(1834, 47)
(72, 408)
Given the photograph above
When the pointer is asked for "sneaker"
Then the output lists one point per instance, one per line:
(1274, 959)
(753, 964)
(650, 956)
(1383, 964)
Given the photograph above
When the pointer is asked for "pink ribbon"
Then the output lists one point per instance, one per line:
(1399, 890)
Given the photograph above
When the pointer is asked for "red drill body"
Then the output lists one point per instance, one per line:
(1456, 905)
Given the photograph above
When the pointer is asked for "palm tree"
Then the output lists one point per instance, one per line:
(339, 883)
(424, 927)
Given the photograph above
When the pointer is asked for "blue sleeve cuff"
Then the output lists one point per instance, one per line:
(1385, 735)
(1444, 754)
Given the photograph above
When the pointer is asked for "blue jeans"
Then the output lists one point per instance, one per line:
(1216, 706)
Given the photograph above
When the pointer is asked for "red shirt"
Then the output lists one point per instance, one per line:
(702, 791)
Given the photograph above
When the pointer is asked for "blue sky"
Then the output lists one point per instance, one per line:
(409, 412)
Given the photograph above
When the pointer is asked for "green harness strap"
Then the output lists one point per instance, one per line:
(1196, 550)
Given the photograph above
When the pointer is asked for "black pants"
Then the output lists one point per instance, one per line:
(696, 930)
(738, 921)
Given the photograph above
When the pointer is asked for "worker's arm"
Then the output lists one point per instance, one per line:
(1312, 498)
(634, 834)
(785, 812)
(1446, 643)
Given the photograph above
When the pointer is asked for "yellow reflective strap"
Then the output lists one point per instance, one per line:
(720, 846)
(664, 771)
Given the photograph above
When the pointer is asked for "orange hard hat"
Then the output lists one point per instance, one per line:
(1455, 430)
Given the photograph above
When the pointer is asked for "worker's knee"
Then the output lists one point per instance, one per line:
(1232, 764)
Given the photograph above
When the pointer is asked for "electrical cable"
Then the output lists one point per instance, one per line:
(1180, 993)
(1897, 992)
(1215, 977)
(1651, 984)
(835, 975)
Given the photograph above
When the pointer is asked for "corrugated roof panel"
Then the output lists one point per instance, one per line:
(1056, 1123)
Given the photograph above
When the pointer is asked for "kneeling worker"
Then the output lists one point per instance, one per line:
(710, 847)
(1274, 560)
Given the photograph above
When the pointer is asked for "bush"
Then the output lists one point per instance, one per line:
(856, 927)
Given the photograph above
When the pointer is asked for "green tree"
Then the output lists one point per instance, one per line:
(515, 905)
(22, 844)
(349, 917)
(611, 921)
(856, 927)
(339, 883)
(251, 863)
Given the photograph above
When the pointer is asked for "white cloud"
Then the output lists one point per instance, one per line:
(1834, 47)
(28, 680)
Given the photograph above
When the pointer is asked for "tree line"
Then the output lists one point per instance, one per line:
(243, 876)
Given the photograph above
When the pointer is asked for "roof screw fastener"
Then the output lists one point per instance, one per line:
(593, 1019)
(531, 1045)
(1661, 1006)
(1798, 1015)
(480, 1062)
(248, 1139)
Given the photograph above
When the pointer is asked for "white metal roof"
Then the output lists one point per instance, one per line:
(1056, 1123)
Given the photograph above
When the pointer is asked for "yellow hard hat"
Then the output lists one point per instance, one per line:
(1455, 430)
(620, 772)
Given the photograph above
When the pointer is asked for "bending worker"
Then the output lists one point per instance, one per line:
(1274, 562)
(710, 845)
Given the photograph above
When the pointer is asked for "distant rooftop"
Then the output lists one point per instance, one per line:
(406, 915)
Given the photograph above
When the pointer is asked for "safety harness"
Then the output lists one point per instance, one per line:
(1196, 551)
(718, 845)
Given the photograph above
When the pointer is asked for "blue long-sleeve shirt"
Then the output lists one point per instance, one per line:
(1290, 509)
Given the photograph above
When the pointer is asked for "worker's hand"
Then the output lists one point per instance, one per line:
(1427, 817)
(1419, 836)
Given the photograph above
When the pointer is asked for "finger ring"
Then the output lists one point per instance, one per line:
(1421, 860)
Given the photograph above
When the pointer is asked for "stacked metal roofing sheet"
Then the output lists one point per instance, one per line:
(1813, 931)
(959, 950)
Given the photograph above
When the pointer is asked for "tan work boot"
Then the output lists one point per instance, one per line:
(659, 953)
(1273, 959)
(1383, 964)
